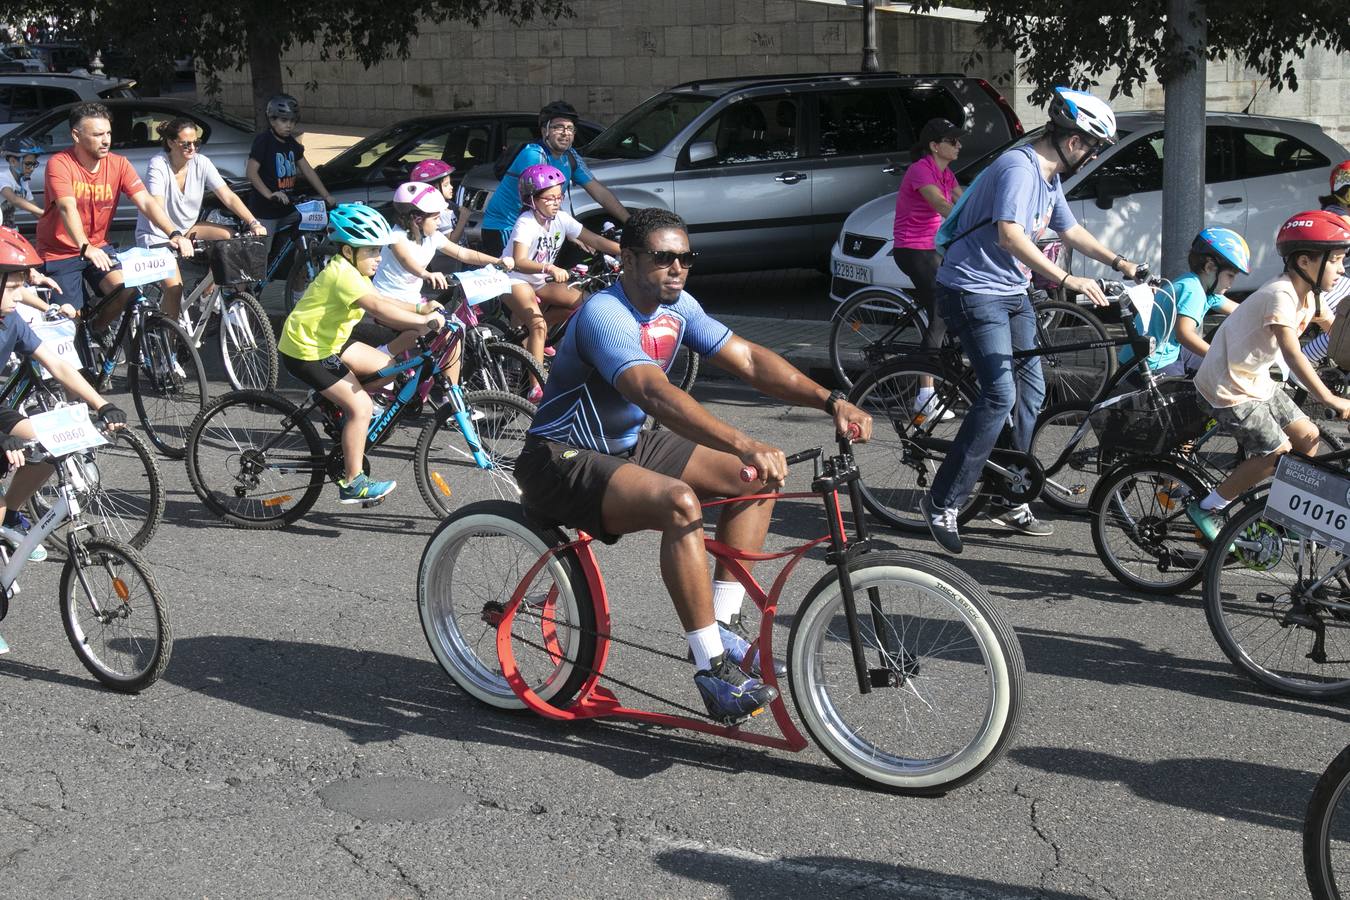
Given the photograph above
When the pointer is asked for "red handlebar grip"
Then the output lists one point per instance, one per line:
(749, 474)
(854, 431)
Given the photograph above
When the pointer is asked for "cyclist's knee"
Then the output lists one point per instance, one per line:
(682, 505)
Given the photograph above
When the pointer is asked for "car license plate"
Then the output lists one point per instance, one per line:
(1311, 500)
(853, 272)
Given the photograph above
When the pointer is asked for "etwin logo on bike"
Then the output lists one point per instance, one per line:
(379, 425)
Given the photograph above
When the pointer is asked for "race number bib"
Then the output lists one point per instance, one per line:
(313, 215)
(141, 266)
(58, 337)
(66, 429)
(1312, 501)
(481, 285)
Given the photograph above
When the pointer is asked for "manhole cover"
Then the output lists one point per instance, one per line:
(393, 799)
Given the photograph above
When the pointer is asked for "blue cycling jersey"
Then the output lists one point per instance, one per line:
(606, 337)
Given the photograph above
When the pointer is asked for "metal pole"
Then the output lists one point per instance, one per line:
(1184, 137)
(869, 60)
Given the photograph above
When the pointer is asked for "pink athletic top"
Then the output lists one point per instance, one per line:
(916, 223)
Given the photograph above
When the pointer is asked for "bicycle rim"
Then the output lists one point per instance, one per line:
(1268, 612)
(248, 349)
(1141, 531)
(169, 385)
(506, 368)
(447, 473)
(1076, 374)
(955, 672)
(472, 564)
(249, 466)
(1326, 831)
(1068, 485)
(118, 626)
(122, 496)
(869, 328)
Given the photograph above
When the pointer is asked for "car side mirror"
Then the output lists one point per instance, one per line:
(702, 151)
(1109, 187)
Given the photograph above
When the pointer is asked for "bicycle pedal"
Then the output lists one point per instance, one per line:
(367, 504)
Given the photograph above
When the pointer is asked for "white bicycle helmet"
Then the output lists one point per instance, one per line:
(420, 196)
(1080, 111)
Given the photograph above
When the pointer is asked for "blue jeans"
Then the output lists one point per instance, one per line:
(990, 327)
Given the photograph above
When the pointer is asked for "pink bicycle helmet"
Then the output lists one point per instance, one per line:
(430, 170)
(420, 196)
(539, 178)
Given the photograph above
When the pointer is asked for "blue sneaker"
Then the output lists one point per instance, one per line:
(364, 491)
(729, 694)
(1203, 521)
(736, 645)
(4, 648)
(18, 523)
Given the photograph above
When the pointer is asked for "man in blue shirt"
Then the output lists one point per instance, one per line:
(989, 252)
(587, 462)
(557, 131)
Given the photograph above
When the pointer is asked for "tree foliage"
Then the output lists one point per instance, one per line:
(1078, 43)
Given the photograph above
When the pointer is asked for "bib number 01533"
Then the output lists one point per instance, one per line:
(1312, 501)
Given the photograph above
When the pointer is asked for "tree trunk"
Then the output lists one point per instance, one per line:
(264, 62)
(1183, 197)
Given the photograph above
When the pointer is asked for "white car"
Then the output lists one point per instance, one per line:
(1259, 170)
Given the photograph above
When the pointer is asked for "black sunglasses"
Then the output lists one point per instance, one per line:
(665, 258)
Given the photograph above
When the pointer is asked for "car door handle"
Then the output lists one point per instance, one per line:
(893, 169)
(790, 177)
(1229, 201)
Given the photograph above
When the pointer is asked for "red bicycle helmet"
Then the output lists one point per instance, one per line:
(1312, 231)
(16, 254)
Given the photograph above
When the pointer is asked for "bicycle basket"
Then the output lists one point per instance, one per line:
(238, 261)
(1143, 423)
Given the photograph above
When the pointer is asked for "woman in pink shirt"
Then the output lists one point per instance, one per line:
(926, 196)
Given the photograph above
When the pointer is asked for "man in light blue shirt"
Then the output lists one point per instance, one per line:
(989, 252)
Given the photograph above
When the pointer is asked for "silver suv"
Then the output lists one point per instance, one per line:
(765, 170)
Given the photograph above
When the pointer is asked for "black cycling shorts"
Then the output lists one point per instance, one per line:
(8, 419)
(320, 374)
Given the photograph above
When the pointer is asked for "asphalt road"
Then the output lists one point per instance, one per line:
(304, 742)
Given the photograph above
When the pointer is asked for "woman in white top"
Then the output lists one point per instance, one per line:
(179, 179)
(403, 274)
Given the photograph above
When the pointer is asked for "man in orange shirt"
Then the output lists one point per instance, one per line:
(81, 188)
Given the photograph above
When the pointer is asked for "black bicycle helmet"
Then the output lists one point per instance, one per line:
(283, 106)
(558, 109)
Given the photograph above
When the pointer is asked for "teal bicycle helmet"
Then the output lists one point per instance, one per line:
(359, 225)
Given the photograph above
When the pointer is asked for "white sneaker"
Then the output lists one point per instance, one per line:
(926, 403)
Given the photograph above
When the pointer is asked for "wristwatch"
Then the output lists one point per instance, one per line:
(175, 234)
(834, 398)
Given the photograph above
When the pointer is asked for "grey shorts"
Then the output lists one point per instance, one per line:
(1258, 425)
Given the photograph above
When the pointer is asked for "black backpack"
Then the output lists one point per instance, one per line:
(508, 158)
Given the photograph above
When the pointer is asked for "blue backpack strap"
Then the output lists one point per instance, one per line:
(948, 234)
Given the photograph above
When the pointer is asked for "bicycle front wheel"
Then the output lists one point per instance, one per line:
(869, 328)
(946, 671)
(168, 385)
(449, 475)
(114, 616)
(473, 563)
(1272, 603)
(122, 495)
(1072, 374)
(1069, 453)
(1326, 831)
(248, 347)
(255, 461)
(898, 465)
(1140, 527)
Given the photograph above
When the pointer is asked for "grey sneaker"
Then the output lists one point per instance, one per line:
(1020, 518)
(941, 524)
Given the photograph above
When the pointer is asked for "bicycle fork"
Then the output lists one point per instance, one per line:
(464, 419)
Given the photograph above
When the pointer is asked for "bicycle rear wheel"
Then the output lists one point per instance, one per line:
(947, 687)
(255, 461)
(1072, 374)
(1326, 831)
(897, 470)
(168, 386)
(305, 266)
(683, 371)
(1270, 600)
(122, 496)
(472, 564)
(448, 474)
(248, 347)
(507, 368)
(869, 328)
(114, 616)
(1140, 528)
(1068, 484)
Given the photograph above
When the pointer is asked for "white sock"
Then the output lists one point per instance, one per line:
(727, 599)
(923, 395)
(1213, 501)
(706, 645)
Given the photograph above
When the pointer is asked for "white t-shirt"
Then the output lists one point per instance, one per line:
(393, 280)
(543, 241)
(1237, 367)
(19, 186)
(182, 207)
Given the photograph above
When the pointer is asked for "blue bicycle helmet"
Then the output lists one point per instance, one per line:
(17, 146)
(1226, 246)
(359, 225)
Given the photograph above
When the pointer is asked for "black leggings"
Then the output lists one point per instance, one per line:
(921, 266)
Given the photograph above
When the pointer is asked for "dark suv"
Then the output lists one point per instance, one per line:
(765, 170)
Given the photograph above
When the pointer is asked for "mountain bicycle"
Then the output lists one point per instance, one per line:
(221, 301)
(164, 374)
(256, 460)
(915, 689)
(1326, 831)
(120, 490)
(114, 616)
